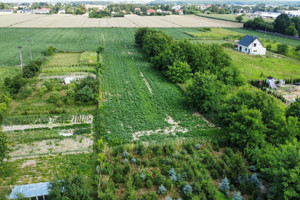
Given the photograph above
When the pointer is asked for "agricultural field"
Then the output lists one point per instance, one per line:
(50, 133)
(229, 17)
(49, 119)
(71, 21)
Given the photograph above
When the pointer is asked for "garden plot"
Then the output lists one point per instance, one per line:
(289, 92)
(46, 147)
(45, 168)
(51, 123)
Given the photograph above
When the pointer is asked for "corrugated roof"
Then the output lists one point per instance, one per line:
(247, 40)
(30, 190)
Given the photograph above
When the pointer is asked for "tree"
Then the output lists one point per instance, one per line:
(139, 36)
(294, 109)
(281, 23)
(155, 42)
(291, 30)
(247, 128)
(69, 188)
(224, 185)
(179, 72)
(206, 92)
(237, 196)
(239, 18)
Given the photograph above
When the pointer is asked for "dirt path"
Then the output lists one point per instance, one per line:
(173, 129)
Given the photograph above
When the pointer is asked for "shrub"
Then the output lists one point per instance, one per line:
(85, 94)
(269, 47)
(254, 180)
(125, 161)
(239, 18)
(43, 90)
(161, 190)
(187, 189)
(297, 48)
(50, 51)
(172, 172)
(149, 183)
(237, 196)
(224, 185)
(133, 160)
(198, 146)
(169, 198)
(179, 72)
(125, 154)
(137, 181)
(26, 91)
(282, 48)
(252, 168)
(54, 97)
(158, 180)
(173, 178)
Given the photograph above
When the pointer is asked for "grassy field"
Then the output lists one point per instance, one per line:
(229, 17)
(254, 67)
(259, 67)
(260, 35)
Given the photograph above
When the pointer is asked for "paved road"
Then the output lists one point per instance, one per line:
(69, 21)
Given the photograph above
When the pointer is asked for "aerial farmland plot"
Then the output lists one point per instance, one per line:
(44, 124)
(133, 21)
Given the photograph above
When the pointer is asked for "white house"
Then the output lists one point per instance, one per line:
(251, 45)
(61, 11)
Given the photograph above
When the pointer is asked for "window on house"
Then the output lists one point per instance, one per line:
(245, 49)
(254, 44)
(254, 51)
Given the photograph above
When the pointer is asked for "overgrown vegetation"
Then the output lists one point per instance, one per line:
(255, 121)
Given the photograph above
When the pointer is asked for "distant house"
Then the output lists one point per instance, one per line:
(41, 11)
(180, 12)
(149, 11)
(6, 11)
(272, 15)
(137, 10)
(251, 45)
(61, 11)
(32, 191)
(176, 8)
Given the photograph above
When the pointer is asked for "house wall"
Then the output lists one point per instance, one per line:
(257, 49)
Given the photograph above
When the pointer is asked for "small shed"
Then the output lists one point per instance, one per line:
(34, 191)
(251, 45)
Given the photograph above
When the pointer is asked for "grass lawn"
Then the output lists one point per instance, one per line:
(216, 34)
(66, 59)
(259, 67)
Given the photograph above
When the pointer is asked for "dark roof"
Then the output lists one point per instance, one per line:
(247, 40)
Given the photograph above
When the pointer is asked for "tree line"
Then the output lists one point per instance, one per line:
(283, 24)
(253, 121)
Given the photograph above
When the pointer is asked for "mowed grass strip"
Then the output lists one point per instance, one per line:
(128, 105)
(66, 59)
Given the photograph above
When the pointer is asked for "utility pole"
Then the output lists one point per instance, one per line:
(29, 41)
(21, 58)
